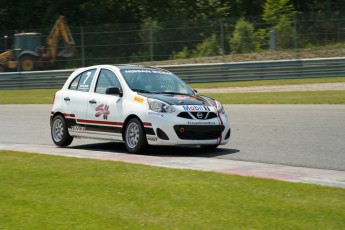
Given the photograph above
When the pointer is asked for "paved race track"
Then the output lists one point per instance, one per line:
(296, 135)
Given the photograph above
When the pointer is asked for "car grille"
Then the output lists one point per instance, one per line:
(197, 115)
(198, 132)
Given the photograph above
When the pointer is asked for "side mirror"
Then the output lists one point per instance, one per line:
(114, 91)
(195, 91)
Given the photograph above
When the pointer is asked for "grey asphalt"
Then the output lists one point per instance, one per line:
(295, 135)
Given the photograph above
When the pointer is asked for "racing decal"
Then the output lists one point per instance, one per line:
(106, 129)
(109, 123)
(74, 85)
(77, 128)
(69, 115)
(195, 108)
(147, 124)
(161, 71)
(185, 97)
(102, 110)
(139, 99)
(209, 101)
(221, 122)
(152, 138)
(65, 114)
(201, 123)
(100, 122)
(85, 85)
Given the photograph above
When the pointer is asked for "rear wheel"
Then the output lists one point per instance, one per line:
(59, 132)
(28, 63)
(135, 138)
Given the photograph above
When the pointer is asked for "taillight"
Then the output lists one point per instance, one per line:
(54, 98)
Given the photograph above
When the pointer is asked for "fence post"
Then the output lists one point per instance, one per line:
(82, 47)
(151, 42)
(295, 31)
(222, 36)
(273, 39)
(295, 36)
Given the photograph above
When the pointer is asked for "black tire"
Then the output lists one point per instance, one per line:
(59, 132)
(28, 63)
(134, 136)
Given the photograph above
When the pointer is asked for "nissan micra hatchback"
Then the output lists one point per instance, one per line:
(136, 105)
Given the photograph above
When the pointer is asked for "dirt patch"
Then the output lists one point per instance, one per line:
(277, 88)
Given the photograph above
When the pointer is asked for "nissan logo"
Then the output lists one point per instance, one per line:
(199, 115)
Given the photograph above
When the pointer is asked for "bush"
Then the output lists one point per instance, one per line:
(184, 54)
(243, 39)
(209, 47)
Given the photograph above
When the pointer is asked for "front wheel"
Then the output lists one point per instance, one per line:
(135, 138)
(59, 132)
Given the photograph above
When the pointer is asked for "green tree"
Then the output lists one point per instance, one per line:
(209, 47)
(243, 39)
(280, 15)
(183, 54)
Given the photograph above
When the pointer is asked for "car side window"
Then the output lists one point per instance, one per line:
(83, 81)
(107, 78)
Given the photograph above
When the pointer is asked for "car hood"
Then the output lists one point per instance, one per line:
(181, 99)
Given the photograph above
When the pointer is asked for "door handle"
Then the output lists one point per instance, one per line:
(67, 99)
(93, 101)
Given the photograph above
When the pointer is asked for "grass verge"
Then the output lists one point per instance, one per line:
(306, 97)
(30, 96)
(267, 82)
(45, 96)
(43, 192)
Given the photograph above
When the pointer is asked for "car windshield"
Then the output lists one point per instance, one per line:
(155, 81)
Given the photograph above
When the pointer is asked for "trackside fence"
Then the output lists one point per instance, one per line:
(193, 73)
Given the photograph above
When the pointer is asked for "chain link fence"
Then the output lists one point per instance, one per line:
(227, 40)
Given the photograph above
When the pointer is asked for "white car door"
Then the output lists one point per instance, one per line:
(75, 99)
(104, 112)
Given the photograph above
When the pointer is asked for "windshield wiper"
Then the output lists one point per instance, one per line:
(142, 91)
(172, 93)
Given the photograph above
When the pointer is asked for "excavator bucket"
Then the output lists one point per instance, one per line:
(67, 52)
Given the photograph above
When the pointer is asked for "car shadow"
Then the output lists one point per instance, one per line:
(161, 151)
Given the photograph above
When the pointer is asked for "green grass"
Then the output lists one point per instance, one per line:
(32, 96)
(51, 192)
(45, 96)
(267, 82)
(307, 97)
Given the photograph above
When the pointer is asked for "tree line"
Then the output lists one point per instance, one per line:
(146, 30)
(23, 14)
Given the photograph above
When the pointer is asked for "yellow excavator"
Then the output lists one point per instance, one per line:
(28, 54)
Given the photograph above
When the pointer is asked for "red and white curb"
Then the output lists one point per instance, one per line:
(261, 170)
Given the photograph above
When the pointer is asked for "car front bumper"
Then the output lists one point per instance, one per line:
(168, 129)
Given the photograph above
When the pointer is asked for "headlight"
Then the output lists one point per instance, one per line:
(159, 106)
(220, 107)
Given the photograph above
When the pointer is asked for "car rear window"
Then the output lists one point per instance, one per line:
(83, 81)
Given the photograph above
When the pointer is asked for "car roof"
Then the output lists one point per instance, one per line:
(121, 67)
(124, 66)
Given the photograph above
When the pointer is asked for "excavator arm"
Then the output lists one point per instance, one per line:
(60, 29)
(5, 58)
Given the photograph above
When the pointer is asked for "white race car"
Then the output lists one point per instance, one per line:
(136, 105)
